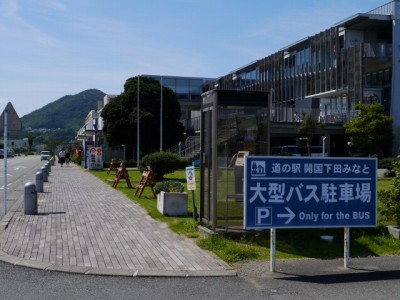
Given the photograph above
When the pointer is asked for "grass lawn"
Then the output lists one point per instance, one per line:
(384, 183)
(291, 243)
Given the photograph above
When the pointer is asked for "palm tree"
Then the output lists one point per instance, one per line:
(31, 137)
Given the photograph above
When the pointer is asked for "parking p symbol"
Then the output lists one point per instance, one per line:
(263, 215)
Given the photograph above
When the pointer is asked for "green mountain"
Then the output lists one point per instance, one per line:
(66, 114)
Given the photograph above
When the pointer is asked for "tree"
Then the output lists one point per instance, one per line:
(31, 137)
(371, 131)
(390, 198)
(120, 116)
(307, 129)
(52, 144)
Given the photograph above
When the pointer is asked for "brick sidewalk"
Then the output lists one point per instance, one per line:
(84, 225)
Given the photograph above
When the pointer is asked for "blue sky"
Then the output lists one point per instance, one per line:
(52, 48)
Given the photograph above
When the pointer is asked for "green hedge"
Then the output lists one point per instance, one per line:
(163, 163)
(127, 163)
(169, 186)
(76, 159)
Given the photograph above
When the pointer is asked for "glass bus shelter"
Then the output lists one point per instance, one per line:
(233, 124)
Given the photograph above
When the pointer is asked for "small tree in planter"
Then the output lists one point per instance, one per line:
(163, 163)
(171, 198)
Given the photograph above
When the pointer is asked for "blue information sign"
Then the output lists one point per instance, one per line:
(295, 192)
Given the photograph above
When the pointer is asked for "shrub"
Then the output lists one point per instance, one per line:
(163, 163)
(130, 163)
(387, 163)
(169, 186)
(390, 211)
(285, 154)
(76, 159)
(117, 162)
(106, 164)
(391, 198)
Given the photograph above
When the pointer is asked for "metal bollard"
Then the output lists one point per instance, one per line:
(30, 197)
(45, 174)
(39, 181)
(48, 166)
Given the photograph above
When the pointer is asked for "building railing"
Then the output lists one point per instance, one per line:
(386, 9)
(189, 149)
(378, 50)
(192, 124)
(329, 117)
(339, 118)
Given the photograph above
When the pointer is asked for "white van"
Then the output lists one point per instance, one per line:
(289, 150)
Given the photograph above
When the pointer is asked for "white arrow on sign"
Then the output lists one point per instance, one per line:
(290, 215)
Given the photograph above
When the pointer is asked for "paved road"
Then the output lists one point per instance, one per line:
(20, 169)
(377, 278)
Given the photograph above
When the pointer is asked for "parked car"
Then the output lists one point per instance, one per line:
(316, 151)
(45, 155)
(9, 151)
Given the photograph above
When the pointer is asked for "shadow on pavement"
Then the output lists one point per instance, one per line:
(346, 278)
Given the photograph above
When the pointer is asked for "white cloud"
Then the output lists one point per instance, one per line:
(9, 9)
(54, 47)
(56, 5)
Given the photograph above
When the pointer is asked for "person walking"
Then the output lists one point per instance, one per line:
(67, 157)
(61, 157)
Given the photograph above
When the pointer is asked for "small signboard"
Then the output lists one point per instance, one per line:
(88, 145)
(13, 120)
(305, 192)
(95, 158)
(190, 179)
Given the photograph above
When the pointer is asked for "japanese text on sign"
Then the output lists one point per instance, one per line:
(338, 187)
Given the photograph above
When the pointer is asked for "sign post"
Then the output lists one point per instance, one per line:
(9, 120)
(5, 156)
(191, 186)
(306, 192)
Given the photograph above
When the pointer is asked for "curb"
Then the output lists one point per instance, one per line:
(33, 264)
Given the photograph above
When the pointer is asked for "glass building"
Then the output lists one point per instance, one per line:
(259, 107)
(188, 91)
(326, 75)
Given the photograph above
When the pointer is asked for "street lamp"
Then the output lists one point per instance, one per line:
(269, 121)
(161, 115)
(5, 155)
(137, 124)
(95, 125)
(272, 230)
